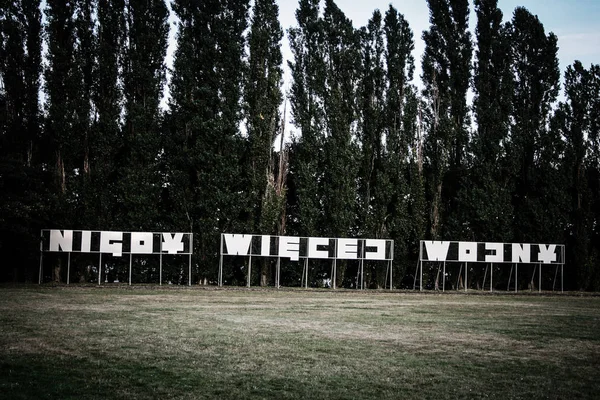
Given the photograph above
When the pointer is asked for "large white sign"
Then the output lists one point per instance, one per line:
(294, 247)
(518, 253)
(115, 242)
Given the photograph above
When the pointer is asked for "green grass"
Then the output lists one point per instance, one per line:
(86, 342)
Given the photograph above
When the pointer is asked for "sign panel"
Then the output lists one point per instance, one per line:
(491, 252)
(115, 242)
(294, 247)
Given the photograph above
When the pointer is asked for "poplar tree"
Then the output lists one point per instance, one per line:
(203, 142)
(486, 195)
(21, 179)
(308, 83)
(446, 73)
(341, 55)
(405, 219)
(536, 85)
(262, 100)
(144, 76)
(575, 121)
(108, 98)
(372, 174)
(262, 93)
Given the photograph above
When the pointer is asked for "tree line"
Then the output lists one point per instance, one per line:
(86, 144)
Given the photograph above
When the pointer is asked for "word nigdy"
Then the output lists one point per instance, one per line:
(294, 247)
(492, 252)
(113, 242)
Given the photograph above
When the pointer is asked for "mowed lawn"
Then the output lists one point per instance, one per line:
(86, 342)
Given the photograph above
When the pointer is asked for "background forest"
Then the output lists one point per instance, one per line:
(85, 142)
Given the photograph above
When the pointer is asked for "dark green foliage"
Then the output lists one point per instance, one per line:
(575, 121)
(486, 194)
(139, 183)
(536, 85)
(371, 156)
(204, 192)
(262, 99)
(446, 73)
(308, 83)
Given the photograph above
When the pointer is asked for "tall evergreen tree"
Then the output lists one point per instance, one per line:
(84, 80)
(536, 77)
(308, 82)
(446, 73)
(144, 75)
(486, 194)
(341, 60)
(203, 144)
(372, 175)
(262, 100)
(402, 145)
(108, 101)
(574, 120)
(21, 185)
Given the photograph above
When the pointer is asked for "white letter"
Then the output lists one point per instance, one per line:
(142, 242)
(467, 251)
(289, 246)
(347, 249)
(106, 243)
(65, 241)
(86, 241)
(547, 254)
(436, 251)
(237, 245)
(174, 244)
(265, 245)
(377, 255)
(498, 249)
(521, 253)
(314, 243)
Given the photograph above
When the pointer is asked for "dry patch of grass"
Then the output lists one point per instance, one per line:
(117, 343)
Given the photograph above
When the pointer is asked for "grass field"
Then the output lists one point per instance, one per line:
(73, 343)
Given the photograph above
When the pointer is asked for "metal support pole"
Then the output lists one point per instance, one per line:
(466, 272)
(391, 276)
(68, 266)
(277, 272)
(334, 264)
(190, 259)
(416, 274)
(561, 277)
(220, 282)
(41, 267)
(484, 278)
(458, 279)
(444, 278)
(492, 277)
(391, 265)
(306, 278)
(555, 275)
(41, 256)
(421, 278)
(249, 271)
(100, 270)
(130, 262)
(362, 273)
(540, 279)
(516, 277)
(160, 265)
(510, 277)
